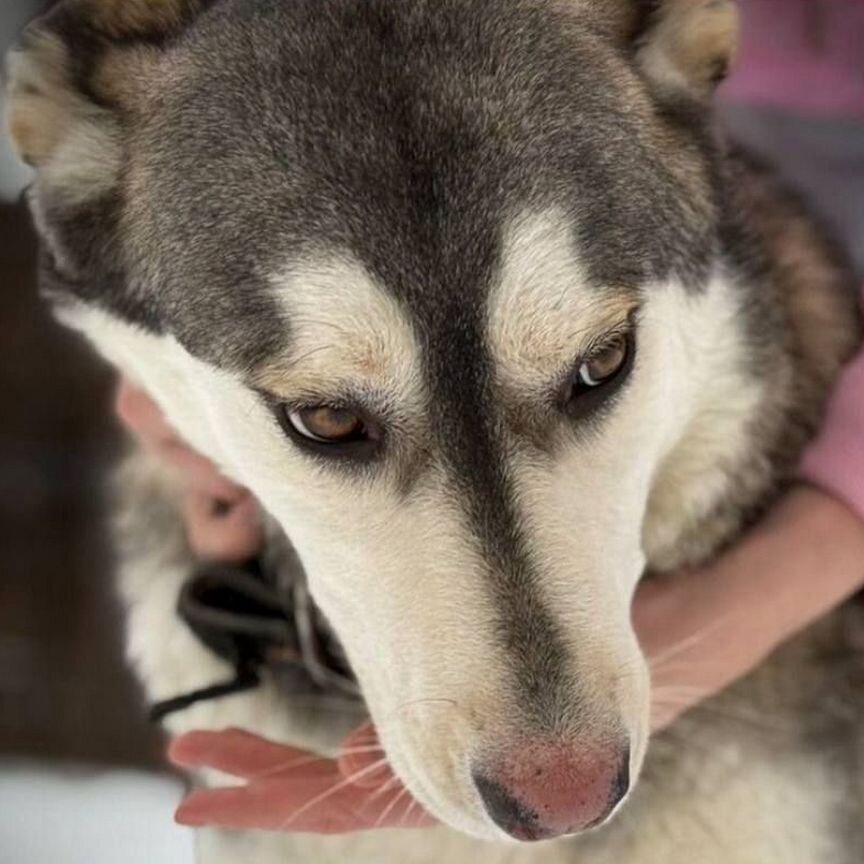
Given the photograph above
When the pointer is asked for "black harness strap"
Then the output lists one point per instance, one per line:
(247, 679)
(243, 617)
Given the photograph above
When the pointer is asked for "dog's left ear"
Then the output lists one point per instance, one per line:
(682, 47)
(61, 78)
(74, 80)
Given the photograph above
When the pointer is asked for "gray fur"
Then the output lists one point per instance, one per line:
(451, 116)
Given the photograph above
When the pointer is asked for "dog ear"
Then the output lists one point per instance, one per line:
(54, 73)
(71, 80)
(682, 46)
(689, 45)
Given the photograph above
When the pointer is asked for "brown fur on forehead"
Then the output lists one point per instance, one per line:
(130, 77)
(545, 312)
(136, 65)
(125, 19)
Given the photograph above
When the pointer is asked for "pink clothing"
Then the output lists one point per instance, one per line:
(808, 56)
(804, 55)
(835, 461)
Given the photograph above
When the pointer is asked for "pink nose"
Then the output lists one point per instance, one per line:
(545, 791)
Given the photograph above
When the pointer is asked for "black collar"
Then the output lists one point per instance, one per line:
(259, 615)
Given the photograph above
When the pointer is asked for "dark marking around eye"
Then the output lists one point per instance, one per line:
(599, 376)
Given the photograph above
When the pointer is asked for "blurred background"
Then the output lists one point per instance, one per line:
(77, 755)
(80, 769)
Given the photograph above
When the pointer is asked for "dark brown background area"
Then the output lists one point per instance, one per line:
(64, 690)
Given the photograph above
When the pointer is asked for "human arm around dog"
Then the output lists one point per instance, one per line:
(835, 461)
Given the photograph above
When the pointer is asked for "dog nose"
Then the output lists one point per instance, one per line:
(543, 792)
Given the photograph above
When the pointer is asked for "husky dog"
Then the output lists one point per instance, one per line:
(470, 296)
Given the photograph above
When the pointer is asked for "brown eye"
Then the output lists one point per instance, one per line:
(327, 425)
(604, 364)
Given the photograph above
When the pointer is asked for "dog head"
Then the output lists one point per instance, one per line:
(440, 283)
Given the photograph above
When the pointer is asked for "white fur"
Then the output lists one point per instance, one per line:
(344, 330)
(383, 565)
(543, 314)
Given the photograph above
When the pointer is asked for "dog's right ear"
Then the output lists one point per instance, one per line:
(682, 47)
(69, 81)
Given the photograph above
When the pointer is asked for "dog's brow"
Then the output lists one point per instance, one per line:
(544, 313)
(346, 334)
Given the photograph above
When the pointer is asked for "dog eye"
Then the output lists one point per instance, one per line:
(326, 425)
(604, 364)
(599, 375)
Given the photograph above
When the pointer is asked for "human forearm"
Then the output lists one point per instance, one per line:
(715, 625)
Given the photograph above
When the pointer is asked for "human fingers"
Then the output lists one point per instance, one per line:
(219, 531)
(241, 754)
(360, 750)
(143, 417)
(323, 804)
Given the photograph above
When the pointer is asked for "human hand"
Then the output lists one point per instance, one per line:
(288, 789)
(222, 519)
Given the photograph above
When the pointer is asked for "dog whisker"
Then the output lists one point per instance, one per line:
(659, 660)
(303, 761)
(391, 784)
(682, 690)
(412, 805)
(391, 806)
(333, 790)
(279, 767)
(311, 353)
(422, 702)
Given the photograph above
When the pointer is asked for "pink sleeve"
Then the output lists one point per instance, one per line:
(807, 56)
(802, 55)
(835, 460)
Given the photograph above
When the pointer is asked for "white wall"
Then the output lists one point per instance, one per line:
(75, 816)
